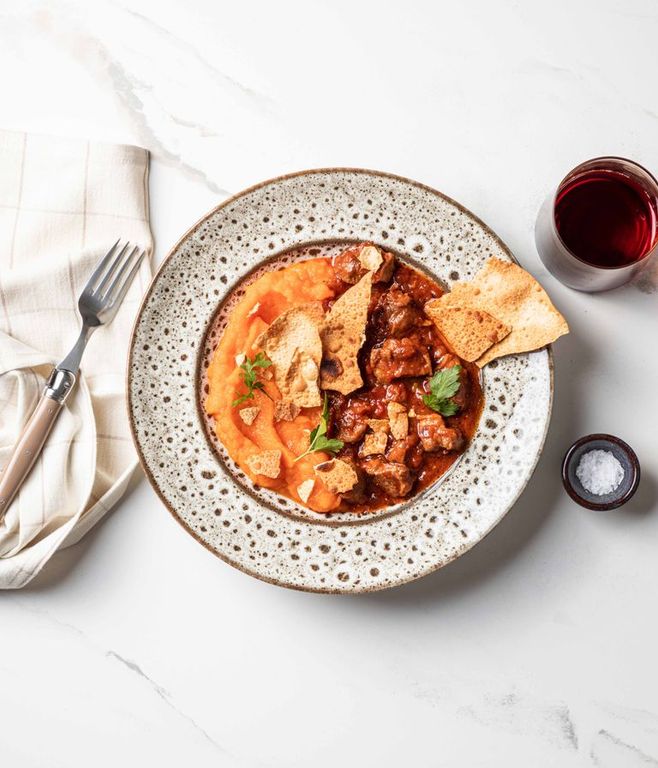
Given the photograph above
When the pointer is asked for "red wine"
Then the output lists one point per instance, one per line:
(606, 218)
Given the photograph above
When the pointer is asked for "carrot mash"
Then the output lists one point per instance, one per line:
(264, 300)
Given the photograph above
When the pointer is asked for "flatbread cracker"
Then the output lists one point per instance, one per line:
(285, 411)
(266, 463)
(399, 420)
(305, 489)
(342, 335)
(470, 332)
(370, 258)
(292, 342)
(337, 475)
(506, 291)
(248, 415)
(373, 443)
(378, 425)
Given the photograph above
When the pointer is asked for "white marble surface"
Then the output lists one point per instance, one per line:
(538, 648)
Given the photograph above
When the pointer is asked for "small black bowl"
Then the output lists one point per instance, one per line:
(622, 452)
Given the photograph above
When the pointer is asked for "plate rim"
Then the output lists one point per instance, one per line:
(133, 427)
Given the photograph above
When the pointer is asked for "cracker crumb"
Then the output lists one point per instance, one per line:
(266, 463)
(248, 415)
(397, 415)
(378, 425)
(370, 258)
(373, 443)
(337, 475)
(285, 410)
(305, 489)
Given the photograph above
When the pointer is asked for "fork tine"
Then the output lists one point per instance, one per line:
(119, 289)
(102, 265)
(116, 262)
(117, 275)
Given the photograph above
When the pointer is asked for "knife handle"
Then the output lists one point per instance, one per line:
(34, 435)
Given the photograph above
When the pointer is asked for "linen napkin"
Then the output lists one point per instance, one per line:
(63, 203)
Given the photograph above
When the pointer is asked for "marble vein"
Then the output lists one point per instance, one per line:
(165, 696)
(133, 667)
(621, 751)
(127, 87)
(224, 79)
(84, 43)
(513, 712)
(643, 718)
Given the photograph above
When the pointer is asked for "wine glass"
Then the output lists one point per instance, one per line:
(600, 226)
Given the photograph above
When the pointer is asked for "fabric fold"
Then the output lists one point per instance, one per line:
(63, 203)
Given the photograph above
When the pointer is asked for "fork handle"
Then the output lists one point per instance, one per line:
(34, 435)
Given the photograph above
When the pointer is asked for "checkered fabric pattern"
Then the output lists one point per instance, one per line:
(63, 203)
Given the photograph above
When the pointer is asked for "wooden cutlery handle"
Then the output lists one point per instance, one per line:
(34, 435)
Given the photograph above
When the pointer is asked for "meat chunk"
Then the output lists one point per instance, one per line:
(435, 436)
(350, 418)
(399, 312)
(350, 429)
(349, 268)
(399, 449)
(398, 358)
(445, 359)
(393, 478)
(396, 392)
(358, 493)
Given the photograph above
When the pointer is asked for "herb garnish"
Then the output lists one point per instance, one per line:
(443, 387)
(318, 440)
(250, 377)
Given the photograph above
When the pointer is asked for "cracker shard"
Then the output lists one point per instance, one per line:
(515, 298)
(285, 411)
(305, 489)
(337, 475)
(342, 334)
(370, 258)
(399, 420)
(373, 443)
(248, 415)
(469, 331)
(266, 463)
(378, 425)
(293, 344)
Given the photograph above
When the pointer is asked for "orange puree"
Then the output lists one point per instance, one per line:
(272, 293)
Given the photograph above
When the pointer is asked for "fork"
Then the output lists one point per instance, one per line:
(98, 304)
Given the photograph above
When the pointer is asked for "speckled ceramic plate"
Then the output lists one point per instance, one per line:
(181, 319)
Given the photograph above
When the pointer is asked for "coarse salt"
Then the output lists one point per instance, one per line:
(600, 472)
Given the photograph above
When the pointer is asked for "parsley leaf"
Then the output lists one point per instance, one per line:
(443, 387)
(318, 440)
(250, 377)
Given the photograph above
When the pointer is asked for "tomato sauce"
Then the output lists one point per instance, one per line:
(411, 289)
